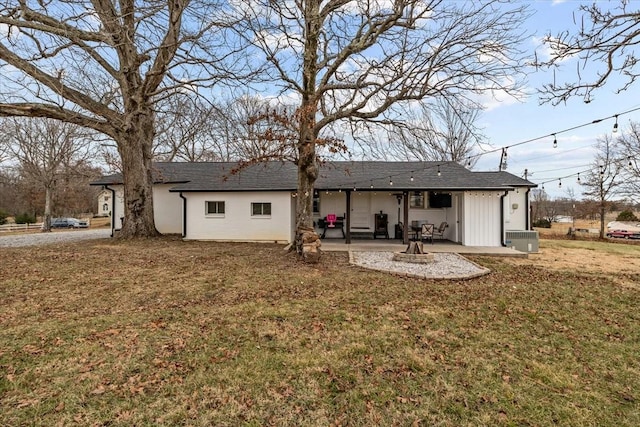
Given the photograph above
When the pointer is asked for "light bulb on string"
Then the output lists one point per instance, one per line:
(371, 186)
(411, 176)
(555, 141)
(578, 177)
(390, 181)
(615, 125)
(439, 173)
(559, 183)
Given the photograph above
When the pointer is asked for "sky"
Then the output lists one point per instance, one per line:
(510, 122)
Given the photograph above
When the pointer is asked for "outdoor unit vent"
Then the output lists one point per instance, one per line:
(523, 241)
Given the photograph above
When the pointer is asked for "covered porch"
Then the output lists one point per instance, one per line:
(356, 215)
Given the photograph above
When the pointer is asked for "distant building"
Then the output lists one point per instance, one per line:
(105, 202)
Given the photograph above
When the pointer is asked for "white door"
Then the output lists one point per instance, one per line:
(459, 217)
(361, 216)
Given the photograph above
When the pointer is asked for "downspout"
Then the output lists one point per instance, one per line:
(184, 215)
(528, 213)
(502, 237)
(113, 208)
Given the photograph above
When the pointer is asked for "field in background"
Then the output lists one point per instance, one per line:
(165, 332)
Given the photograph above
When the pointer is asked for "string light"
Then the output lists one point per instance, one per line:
(578, 177)
(371, 186)
(555, 144)
(560, 183)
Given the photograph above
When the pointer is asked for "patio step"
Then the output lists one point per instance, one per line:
(362, 235)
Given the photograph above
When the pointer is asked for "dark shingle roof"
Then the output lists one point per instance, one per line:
(221, 176)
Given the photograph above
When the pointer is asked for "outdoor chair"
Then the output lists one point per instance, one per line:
(439, 232)
(427, 232)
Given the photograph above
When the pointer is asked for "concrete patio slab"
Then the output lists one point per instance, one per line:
(391, 245)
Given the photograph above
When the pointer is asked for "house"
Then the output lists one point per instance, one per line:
(219, 201)
(104, 203)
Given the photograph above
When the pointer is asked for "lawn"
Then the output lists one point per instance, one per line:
(165, 332)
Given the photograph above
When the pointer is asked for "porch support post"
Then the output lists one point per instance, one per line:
(405, 217)
(348, 217)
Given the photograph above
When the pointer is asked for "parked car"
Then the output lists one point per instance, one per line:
(624, 234)
(68, 223)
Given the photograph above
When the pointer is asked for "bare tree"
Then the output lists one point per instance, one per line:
(45, 151)
(606, 38)
(629, 142)
(185, 130)
(104, 65)
(445, 130)
(362, 63)
(603, 181)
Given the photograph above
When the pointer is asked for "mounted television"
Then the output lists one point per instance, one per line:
(439, 200)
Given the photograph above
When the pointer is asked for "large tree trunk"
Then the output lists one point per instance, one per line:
(307, 175)
(134, 146)
(46, 221)
(307, 168)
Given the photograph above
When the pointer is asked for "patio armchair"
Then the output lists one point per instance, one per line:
(426, 232)
(439, 232)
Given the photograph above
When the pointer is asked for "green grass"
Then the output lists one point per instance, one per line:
(165, 332)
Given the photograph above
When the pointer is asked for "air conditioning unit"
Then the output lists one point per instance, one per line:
(523, 241)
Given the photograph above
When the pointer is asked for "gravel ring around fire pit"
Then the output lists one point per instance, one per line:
(444, 266)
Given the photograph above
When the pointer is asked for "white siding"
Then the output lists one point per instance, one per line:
(482, 218)
(167, 209)
(515, 210)
(237, 223)
(118, 214)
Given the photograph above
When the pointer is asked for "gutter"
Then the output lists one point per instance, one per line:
(184, 215)
(502, 236)
(113, 208)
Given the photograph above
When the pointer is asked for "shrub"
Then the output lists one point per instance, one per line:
(542, 223)
(3, 217)
(25, 218)
(626, 215)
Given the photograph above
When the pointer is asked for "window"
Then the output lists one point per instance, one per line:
(316, 203)
(416, 199)
(105, 207)
(214, 208)
(260, 209)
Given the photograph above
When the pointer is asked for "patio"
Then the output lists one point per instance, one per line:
(396, 245)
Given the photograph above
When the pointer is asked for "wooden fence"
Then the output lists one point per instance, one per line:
(20, 227)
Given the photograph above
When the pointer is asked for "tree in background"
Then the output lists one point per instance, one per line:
(627, 215)
(445, 130)
(629, 142)
(604, 179)
(606, 37)
(184, 130)
(46, 151)
(354, 65)
(104, 65)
